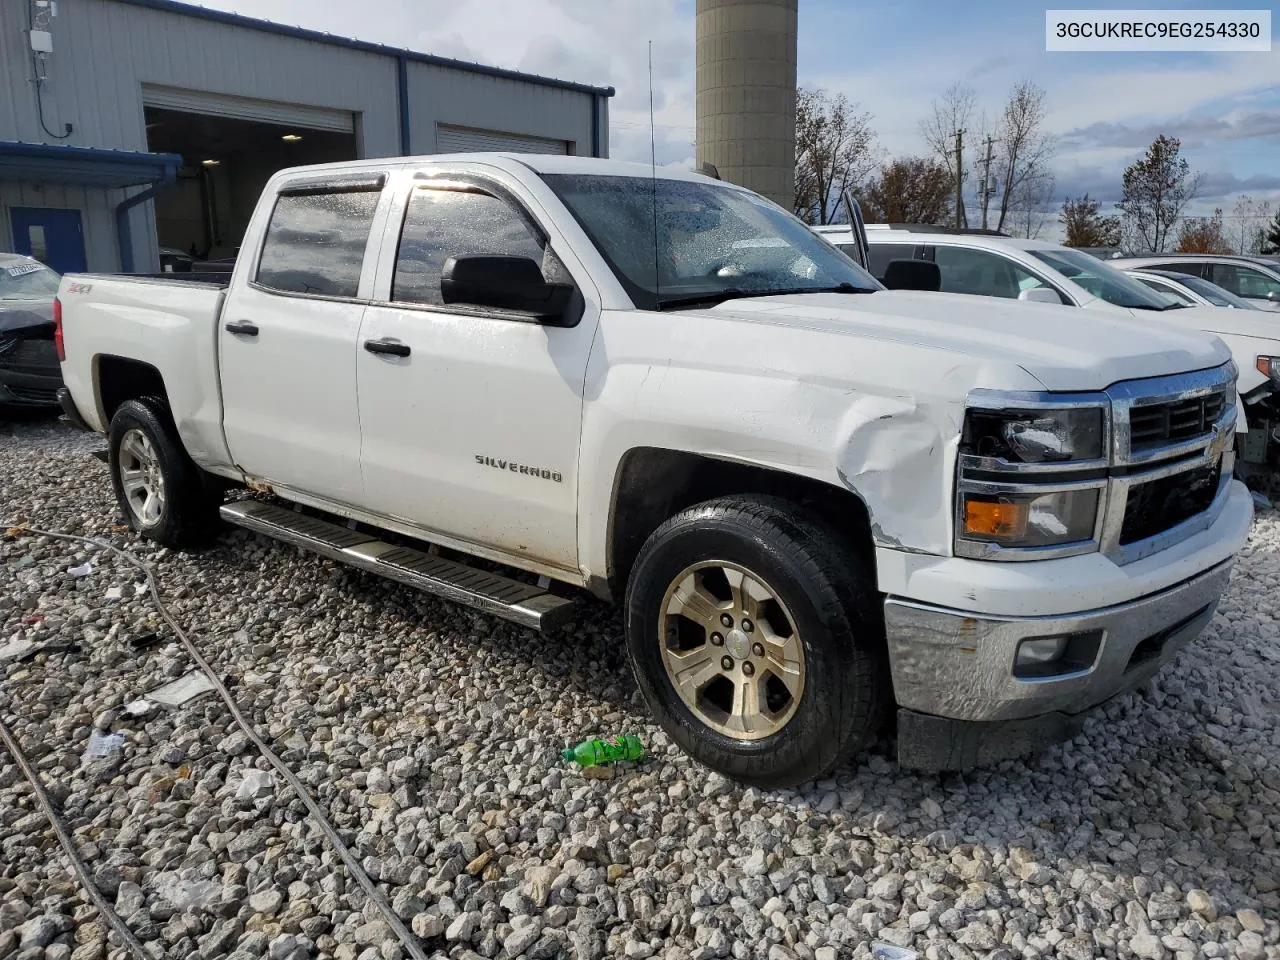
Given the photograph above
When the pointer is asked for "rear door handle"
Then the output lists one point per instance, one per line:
(390, 348)
(243, 328)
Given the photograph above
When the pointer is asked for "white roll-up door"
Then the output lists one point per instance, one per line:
(471, 140)
(246, 108)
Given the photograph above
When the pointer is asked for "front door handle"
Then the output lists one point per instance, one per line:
(390, 348)
(243, 328)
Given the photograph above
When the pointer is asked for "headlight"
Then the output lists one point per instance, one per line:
(1269, 367)
(1029, 519)
(1031, 481)
(1036, 436)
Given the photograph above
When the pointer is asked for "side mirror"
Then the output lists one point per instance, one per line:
(913, 275)
(1274, 296)
(1040, 295)
(505, 283)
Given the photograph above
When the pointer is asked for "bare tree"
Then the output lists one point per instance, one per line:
(908, 190)
(1157, 188)
(951, 113)
(1249, 222)
(1024, 148)
(835, 151)
(1030, 211)
(1085, 226)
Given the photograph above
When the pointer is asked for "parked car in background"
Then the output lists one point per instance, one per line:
(1189, 290)
(1256, 279)
(817, 500)
(1016, 269)
(29, 372)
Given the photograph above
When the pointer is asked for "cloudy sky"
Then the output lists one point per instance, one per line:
(891, 58)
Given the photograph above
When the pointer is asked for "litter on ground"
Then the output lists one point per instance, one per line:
(183, 690)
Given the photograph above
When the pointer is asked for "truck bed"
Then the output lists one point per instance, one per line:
(164, 326)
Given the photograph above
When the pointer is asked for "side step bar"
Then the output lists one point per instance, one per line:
(523, 603)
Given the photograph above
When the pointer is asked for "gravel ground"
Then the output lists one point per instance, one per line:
(430, 735)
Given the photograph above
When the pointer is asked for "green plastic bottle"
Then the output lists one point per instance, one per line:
(592, 753)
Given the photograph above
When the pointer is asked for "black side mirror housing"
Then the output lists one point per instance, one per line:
(507, 283)
(913, 275)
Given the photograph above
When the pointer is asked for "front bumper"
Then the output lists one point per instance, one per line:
(953, 670)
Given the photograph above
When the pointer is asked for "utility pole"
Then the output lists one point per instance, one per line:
(959, 177)
(986, 182)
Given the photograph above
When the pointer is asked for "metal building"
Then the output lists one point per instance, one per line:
(746, 93)
(127, 126)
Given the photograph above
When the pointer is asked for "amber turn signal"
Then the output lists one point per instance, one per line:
(994, 518)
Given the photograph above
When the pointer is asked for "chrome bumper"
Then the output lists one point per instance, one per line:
(956, 665)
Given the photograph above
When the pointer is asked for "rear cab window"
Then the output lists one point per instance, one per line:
(882, 253)
(317, 237)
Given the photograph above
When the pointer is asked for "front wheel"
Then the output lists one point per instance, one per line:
(162, 493)
(756, 639)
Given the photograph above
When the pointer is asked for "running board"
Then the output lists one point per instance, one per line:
(523, 603)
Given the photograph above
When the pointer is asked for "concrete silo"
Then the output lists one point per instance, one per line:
(746, 86)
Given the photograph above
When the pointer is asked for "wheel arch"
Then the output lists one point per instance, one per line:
(119, 379)
(653, 484)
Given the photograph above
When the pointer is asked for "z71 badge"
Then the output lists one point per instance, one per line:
(514, 467)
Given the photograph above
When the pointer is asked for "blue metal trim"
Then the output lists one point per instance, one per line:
(124, 231)
(90, 166)
(595, 126)
(402, 92)
(316, 36)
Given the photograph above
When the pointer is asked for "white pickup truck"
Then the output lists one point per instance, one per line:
(821, 504)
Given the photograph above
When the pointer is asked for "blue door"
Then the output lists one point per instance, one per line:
(54, 237)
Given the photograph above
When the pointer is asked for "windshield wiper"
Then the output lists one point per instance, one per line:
(1152, 306)
(712, 297)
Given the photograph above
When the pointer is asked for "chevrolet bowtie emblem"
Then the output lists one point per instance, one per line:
(1222, 438)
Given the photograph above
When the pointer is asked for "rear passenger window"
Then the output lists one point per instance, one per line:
(442, 223)
(882, 253)
(316, 240)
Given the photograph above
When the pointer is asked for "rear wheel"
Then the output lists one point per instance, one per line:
(162, 493)
(756, 638)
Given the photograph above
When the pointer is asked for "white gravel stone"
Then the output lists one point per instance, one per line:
(489, 846)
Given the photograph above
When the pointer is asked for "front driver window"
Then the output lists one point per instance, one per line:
(982, 273)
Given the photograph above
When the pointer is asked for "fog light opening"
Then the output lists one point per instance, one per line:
(1043, 658)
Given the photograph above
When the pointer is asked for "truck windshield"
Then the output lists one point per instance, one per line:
(1103, 281)
(27, 280)
(684, 243)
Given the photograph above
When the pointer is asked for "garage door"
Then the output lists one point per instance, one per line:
(471, 140)
(246, 108)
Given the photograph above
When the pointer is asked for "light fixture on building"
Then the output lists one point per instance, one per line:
(211, 163)
(291, 137)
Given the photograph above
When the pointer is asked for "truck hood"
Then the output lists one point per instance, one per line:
(1064, 348)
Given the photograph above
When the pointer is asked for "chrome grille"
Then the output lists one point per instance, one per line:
(1153, 425)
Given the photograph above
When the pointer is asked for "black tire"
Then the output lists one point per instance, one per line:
(830, 592)
(189, 515)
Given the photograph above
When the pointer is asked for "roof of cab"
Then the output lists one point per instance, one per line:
(539, 163)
